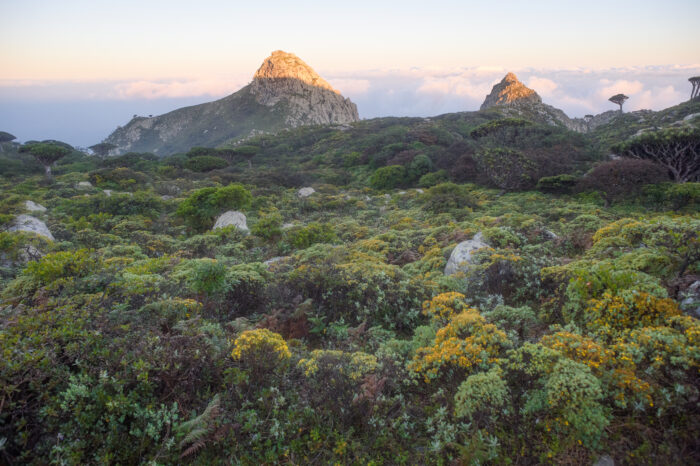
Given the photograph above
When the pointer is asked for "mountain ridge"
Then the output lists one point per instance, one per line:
(285, 93)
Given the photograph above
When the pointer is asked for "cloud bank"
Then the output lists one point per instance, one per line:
(389, 92)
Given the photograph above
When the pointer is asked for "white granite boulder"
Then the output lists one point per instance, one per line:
(32, 206)
(83, 185)
(305, 192)
(463, 253)
(32, 225)
(232, 217)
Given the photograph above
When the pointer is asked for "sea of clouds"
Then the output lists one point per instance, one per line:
(85, 112)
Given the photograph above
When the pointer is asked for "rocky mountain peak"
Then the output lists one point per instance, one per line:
(510, 91)
(283, 65)
(308, 99)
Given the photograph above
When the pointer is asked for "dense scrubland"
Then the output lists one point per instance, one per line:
(141, 335)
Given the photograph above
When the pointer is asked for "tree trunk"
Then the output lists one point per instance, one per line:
(47, 171)
(250, 164)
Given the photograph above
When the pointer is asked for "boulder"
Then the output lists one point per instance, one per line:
(305, 192)
(691, 302)
(605, 460)
(462, 254)
(32, 225)
(232, 217)
(83, 185)
(32, 206)
(270, 263)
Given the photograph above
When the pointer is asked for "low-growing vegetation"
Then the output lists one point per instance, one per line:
(329, 333)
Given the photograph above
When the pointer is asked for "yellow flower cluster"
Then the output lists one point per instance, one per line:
(260, 344)
(466, 341)
(443, 306)
(353, 365)
(605, 363)
(616, 313)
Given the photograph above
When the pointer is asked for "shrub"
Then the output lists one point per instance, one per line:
(622, 178)
(205, 163)
(447, 196)
(464, 344)
(260, 351)
(390, 177)
(269, 225)
(482, 394)
(612, 314)
(201, 207)
(674, 195)
(431, 179)
(419, 166)
(496, 126)
(58, 265)
(676, 149)
(506, 168)
(559, 184)
(312, 233)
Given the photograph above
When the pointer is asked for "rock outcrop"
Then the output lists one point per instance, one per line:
(285, 93)
(284, 77)
(461, 255)
(232, 217)
(31, 225)
(516, 100)
(32, 206)
(305, 192)
(510, 91)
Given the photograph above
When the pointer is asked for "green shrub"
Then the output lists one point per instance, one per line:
(313, 233)
(205, 163)
(269, 225)
(431, 179)
(445, 197)
(674, 195)
(201, 208)
(390, 177)
(559, 184)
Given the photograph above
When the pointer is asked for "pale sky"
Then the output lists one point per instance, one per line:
(391, 58)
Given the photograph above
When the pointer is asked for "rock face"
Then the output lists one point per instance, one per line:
(284, 77)
(32, 225)
(285, 93)
(232, 217)
(462, 254)
(305, 192)
(32, 206)
(510, 91)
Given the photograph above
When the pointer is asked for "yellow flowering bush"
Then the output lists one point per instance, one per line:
(353, 365)
(616, 370)
(260, 349)
(465, 342)
(613, 314)
(443, 306)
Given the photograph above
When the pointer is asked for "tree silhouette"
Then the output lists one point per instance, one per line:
(46, 154)
(676, 149)
(695, 81)
(618, 99)
(247, 152)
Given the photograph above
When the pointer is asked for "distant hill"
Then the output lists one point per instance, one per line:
(285, 93)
